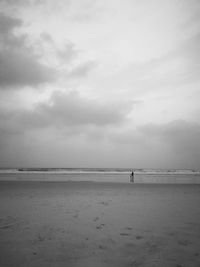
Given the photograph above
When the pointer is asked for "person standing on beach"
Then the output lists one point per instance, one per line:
(132, 177)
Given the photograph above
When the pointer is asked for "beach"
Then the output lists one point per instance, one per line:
(85, 223)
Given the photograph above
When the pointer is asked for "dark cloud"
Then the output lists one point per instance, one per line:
(65, 125)
(19, 65)
(20, 69)
(74, 109)
(68, 125)
(7, 24)
(16, 3)
(68, 112)
(183, 138)
(12, 2)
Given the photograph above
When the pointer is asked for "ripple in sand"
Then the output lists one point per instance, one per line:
(8, 223)
(124, 234)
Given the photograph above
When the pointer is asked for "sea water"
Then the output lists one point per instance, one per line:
(101, 175)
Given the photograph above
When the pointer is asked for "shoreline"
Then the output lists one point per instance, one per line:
(104, 177)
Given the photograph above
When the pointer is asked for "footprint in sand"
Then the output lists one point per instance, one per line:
(100, 226)
(183, 242)
(130, 245)
(76, 213)
(104, 203)
(7, 226)
(136, 263)
(128, 228)
(102, 247)
(171, 234)
(124, 234)
(138, 237)
(41, 238)
(8, 222)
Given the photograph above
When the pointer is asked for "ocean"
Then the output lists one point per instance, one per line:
(120, 175)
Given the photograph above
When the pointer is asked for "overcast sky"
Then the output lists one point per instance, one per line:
(100, 83)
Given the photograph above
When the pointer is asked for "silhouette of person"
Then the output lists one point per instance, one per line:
(132, 177)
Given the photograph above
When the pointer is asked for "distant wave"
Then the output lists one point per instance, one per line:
(97, 170)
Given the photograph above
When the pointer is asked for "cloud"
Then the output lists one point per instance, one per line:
(181, 137)
(82, 69)
(67, 125)
(7, 24)
(65, 57)
(74, 109)
(19, 65)
(20, 69)
(182, 63)
(86, 10)
(16, 3)
(177, 68)
(67, 111)
(68, 53)
(12, 2)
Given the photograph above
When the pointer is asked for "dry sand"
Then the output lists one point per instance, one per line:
(73, 224)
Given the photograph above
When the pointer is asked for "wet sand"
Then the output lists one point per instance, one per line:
(73, 224)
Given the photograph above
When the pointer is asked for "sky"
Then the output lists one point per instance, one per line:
(100, 83)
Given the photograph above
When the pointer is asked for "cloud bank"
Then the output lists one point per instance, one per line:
(92, 83)
(19, 65)
(68, 110)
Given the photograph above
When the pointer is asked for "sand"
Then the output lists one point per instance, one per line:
(72, 224)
